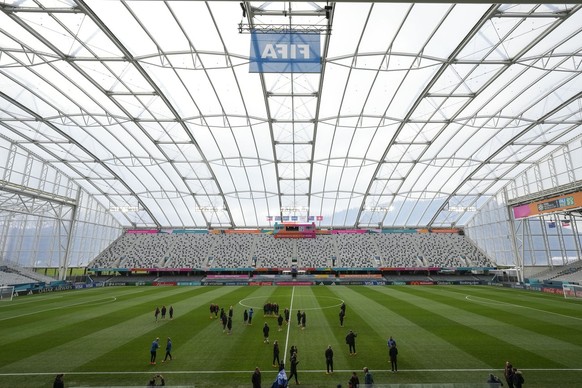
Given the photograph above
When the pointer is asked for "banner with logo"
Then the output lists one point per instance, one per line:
(551, 205)
(290, 52)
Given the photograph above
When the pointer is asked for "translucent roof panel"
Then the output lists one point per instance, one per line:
(419, 114)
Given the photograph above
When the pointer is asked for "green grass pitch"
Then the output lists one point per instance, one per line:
(445, 334)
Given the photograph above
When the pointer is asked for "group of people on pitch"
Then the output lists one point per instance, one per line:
(513, 377)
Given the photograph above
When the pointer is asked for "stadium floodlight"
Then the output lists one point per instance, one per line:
(124, 209)
(462, 209)
(213, 209)
(6, 293)
(572, 291)
(379, 209)
(293, 209)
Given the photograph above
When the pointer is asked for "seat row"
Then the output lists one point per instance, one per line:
(265, 251)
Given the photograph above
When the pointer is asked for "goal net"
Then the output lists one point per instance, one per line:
(572, 291)
(6, 293)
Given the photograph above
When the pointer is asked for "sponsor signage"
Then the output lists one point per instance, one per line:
(298, 283)
(225, 283)
(552, 205)
(290, 52)
(260, 283)
(189, 283)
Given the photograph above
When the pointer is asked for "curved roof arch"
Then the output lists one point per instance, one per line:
(421, 112)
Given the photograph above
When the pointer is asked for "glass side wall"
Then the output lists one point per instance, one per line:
(39, 207)
(547, 240)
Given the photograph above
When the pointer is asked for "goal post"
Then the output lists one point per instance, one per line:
(572, 291)
(6, 293)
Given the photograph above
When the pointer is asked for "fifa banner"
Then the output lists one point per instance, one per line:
(289, 52)
(551, 205)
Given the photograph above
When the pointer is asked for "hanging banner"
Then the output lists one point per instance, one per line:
(551, 205)
(290, 52)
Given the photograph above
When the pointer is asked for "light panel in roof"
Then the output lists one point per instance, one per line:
(418, 107)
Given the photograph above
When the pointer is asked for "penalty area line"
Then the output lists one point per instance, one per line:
(91, 302)
(479, 299)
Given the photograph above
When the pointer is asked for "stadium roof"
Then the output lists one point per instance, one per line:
(419, 114)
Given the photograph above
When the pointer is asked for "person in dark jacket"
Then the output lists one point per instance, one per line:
(354, 381)
(517, 378)
(276, 360)
(393, 353)
(256, 378)
(294, 362)
(292, 350)
(168, 350)
(329, 359)
(224, 320)
(351, 341)
(229, 325)
(266, 333)
(508, 374)
(59, 382)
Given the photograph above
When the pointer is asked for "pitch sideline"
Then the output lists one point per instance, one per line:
(210, 372)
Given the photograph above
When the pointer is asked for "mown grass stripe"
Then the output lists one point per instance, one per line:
(88, 334)
(443, 337)
(192, 315)
(421, 338)
(496, 339)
